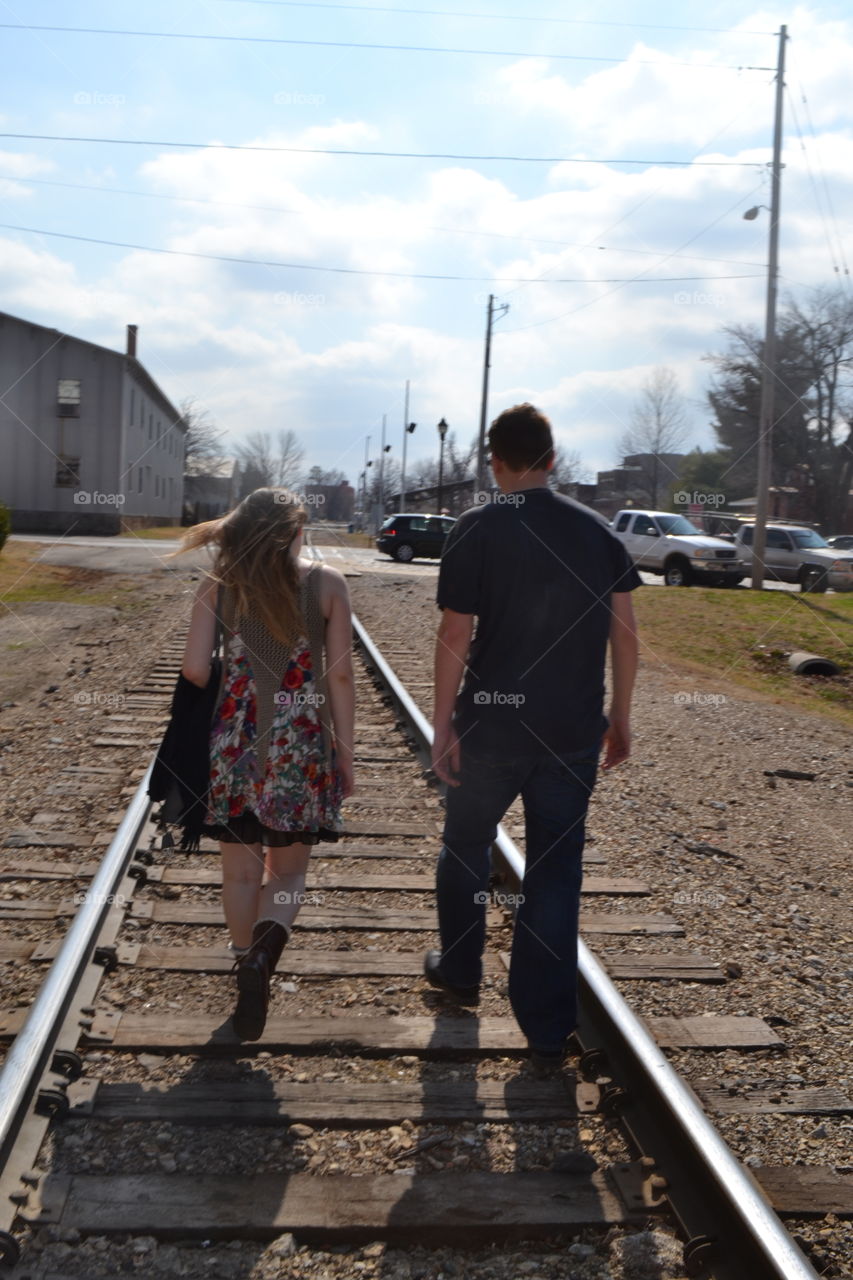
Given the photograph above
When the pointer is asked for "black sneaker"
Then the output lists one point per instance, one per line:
(432, 973)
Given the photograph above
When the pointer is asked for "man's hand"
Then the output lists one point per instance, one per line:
(451, 647)
(617, 742)
(445, 756)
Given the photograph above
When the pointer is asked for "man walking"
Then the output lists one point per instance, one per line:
(550, 586)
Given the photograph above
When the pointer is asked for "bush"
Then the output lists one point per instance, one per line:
(5, 524)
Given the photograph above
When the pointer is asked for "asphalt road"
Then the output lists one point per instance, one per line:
(141, 555)
(115, 555)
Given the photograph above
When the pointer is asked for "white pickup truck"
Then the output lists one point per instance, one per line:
(795, 553)
(661, 542)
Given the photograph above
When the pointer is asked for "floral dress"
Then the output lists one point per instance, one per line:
(270, 749)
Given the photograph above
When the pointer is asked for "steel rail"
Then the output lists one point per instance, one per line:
(724, 1198)
(31, 1049)
(734, 1229)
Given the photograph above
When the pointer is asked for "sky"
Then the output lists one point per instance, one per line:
(344, 275)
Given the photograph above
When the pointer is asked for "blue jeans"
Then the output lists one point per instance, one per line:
(555, 791)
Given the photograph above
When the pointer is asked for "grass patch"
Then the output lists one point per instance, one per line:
(24, 579)
(163, 532)
(743, 637)
(339, 537)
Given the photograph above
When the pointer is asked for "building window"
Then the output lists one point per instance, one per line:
(150, 426)
(132, 404)
(67, 472)
(139, 479)
(68, 398)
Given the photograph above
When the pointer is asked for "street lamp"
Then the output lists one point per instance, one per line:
(442, 431)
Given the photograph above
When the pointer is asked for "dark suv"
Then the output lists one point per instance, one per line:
(407, 536)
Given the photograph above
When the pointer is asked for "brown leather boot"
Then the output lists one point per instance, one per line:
(254, 970)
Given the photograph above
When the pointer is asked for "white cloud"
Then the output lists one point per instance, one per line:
(329, 353)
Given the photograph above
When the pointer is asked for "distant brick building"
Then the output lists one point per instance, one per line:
(90, 443)
(330, 501)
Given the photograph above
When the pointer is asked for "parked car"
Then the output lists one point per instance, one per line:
(661, 542)
(407, 536)
(794, 553)
(841, 542)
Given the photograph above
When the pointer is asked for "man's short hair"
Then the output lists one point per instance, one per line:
(521, 437)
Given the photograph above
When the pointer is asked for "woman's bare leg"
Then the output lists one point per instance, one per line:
(284, 885)
(242, 876)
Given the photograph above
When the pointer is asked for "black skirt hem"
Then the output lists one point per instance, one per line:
(245, 828)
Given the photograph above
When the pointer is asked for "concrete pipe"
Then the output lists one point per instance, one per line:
(812, 664)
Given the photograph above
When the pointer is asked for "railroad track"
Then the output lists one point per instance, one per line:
(369, 1112)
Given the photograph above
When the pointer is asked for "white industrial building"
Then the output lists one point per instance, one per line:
(88, 441)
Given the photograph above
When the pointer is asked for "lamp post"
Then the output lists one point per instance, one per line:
(442, 431)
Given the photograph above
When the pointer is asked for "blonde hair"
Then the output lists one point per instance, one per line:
(252, 557)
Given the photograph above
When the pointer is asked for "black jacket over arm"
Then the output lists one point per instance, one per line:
(181, 773)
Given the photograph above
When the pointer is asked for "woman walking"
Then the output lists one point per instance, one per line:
(281, 739)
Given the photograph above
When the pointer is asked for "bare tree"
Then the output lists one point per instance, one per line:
(422, 474)
(203, 453)
(289, 458)
(458, 465)
(268, 463)
(389, 475)
(318, 476)
(568, 469)
(657, 432)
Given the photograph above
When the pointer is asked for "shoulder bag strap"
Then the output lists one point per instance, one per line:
(219, 652)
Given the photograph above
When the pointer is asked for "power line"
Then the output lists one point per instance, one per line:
(352, 44)
(382, 155)
(495, 17)
(457, 231)
(815, 192)
(826, 189)
(352, 271)
(638, 279)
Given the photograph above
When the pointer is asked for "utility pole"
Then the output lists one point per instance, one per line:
(768, 367)
(493, 313)
(402, 506)
(408, 428)
(365, 519)
(386, 448)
